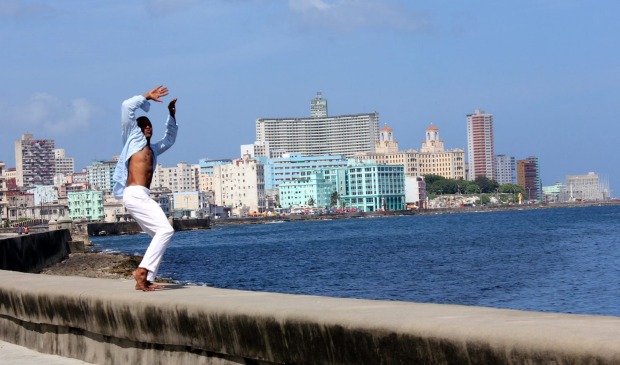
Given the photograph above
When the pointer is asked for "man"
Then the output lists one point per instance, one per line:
(133, 175)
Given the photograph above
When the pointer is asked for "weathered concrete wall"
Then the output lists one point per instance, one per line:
(34, 251)
(108, 322)
(96, 229)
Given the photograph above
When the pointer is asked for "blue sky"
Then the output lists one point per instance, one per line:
(548, 70)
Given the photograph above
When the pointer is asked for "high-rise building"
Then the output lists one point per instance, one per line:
(318, 106)
(480, 150)
(319, 134)
(34, 161)
(528, 177)
(505, 169)
(101, 174)
(64, 165)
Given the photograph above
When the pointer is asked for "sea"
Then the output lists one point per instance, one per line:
(552, 260)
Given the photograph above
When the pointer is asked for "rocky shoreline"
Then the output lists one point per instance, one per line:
(93, 264)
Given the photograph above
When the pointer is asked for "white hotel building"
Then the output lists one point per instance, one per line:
(319, 134)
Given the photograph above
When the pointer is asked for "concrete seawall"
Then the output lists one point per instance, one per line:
(96, 229)
(33, 252)
(108, 322)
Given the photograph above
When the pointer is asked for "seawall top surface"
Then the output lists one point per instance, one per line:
(538, 331)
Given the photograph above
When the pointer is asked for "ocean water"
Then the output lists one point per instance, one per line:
(555, 260)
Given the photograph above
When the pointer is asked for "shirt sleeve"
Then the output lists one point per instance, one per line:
(128, 113)
(169, 137)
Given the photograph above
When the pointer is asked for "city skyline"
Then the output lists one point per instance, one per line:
(544, 69)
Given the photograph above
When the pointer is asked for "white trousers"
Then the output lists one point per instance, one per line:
(151, 218)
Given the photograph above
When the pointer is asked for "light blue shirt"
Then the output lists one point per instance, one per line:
(134, 140)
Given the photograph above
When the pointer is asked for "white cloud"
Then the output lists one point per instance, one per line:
(54, 116)
(350, 15)
(20, 8)
(166, 7)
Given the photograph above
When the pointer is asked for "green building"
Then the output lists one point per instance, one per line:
(86, 204)
(312, 189)
(371, 186)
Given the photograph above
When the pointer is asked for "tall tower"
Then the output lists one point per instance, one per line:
(528, 176)
(480, 150)
(318, 106)
(35, 161)
(386, 143)
(432, 143)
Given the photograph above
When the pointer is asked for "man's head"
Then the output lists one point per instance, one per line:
(145, 126)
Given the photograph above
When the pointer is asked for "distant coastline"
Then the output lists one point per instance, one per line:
(457, 210)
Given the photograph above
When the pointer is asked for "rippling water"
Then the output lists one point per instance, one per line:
(559, 260)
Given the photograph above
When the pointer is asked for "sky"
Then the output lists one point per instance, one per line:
(548, 71)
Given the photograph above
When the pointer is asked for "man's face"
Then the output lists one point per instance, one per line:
(145, 126)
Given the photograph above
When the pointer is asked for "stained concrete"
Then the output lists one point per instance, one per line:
(33, 252)
(106, 321)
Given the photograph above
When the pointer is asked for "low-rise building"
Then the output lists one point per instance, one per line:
(311, 189)
(191, 204)
(373, 187)
(585, 187)
(20, 206)
(86, 204)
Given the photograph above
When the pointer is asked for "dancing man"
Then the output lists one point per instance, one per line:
(133, 175)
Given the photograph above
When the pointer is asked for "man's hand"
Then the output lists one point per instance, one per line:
(172, 107)
(157, 93)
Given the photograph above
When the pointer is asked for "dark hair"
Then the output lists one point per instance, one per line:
(143, 122)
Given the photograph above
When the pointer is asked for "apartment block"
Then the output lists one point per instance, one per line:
(64, 165)
(505, 169)
(528, 176)
(86, 204)
(310, 190)
(319, 134)
(180, 178)
(35, 161)
(480, 145)
(101, 174)
(292, 166)
(240, 186)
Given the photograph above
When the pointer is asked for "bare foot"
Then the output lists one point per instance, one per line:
(140, 275)
(154, 286)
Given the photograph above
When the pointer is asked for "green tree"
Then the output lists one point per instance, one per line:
(430, 179)
(333, 200)
(311, 202)
(486, 185)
